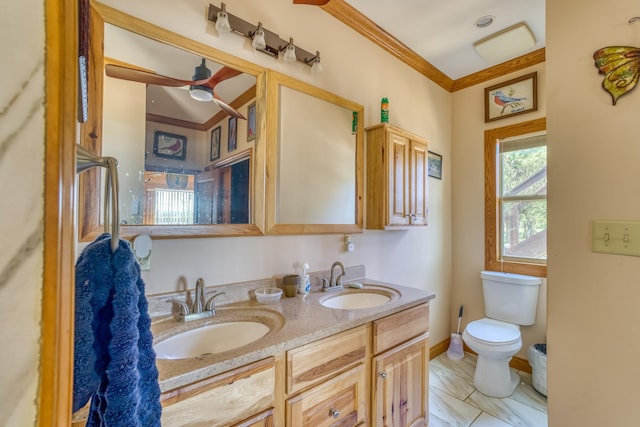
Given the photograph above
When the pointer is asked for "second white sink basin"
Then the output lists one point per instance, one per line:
(356, 300)
(210, 339)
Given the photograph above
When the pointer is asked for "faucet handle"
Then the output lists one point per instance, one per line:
(211, 304)
(325, 283)
(184, 308)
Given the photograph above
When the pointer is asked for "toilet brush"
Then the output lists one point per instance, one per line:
(455, 351)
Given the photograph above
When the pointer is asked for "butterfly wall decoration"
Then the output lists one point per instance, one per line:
(621, 68)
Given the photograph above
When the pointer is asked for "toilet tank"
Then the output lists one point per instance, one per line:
(511, 298)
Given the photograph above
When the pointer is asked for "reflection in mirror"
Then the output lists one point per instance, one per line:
(318, 159)
(174, 113)
(163, 137)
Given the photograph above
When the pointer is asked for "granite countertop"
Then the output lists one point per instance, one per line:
(293, 322)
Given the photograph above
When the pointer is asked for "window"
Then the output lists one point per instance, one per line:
(516, 198)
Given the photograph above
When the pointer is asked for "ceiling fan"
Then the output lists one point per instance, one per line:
(201, 87)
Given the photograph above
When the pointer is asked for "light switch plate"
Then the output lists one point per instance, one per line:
(616, 237)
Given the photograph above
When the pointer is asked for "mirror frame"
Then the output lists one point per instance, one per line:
(274, 81)
(89, 224)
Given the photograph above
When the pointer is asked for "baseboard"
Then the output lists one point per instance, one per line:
(439, 348)
(517, 363)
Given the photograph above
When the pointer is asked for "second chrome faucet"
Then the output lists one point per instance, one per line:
(335, 282)
(200, 308)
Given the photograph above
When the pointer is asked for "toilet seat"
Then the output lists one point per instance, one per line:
(493, 332)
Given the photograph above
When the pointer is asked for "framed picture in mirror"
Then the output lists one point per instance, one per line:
(251, 122)
(215, 144)
(232, 139)
(169, 145)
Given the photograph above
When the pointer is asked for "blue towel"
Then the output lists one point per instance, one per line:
(114, 357)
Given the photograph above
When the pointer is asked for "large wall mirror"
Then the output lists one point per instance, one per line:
(315, 160)
(187, 167)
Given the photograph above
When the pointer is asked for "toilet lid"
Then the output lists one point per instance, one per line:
(493, 331)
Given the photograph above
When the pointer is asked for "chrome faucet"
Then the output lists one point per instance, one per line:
(199, 309)
(335, 282)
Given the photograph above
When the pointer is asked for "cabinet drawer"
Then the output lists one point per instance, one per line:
(400, 327)
(221, 400)
(339, 402)
(321, 359)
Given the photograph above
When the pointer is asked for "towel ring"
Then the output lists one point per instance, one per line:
(86, 160)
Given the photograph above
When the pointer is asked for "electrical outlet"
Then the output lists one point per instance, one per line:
(349, 245)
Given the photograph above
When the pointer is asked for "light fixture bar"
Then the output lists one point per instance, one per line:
(274, 44)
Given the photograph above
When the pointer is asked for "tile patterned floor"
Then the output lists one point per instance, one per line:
(454, 401)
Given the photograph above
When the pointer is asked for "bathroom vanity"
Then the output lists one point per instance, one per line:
(320, 367)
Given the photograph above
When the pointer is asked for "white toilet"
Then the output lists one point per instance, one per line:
(509, 300)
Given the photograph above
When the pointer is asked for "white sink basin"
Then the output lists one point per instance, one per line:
(210, 339)
(356, 300)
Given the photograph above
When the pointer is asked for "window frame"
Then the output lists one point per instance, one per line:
(492, 207)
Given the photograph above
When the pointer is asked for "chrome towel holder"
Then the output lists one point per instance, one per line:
(86, 160)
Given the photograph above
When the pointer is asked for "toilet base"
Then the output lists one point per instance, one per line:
(494, 377)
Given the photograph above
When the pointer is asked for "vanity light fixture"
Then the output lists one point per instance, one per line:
(201, 92)
(257, 41)
(222, 23)
(290, 51)
(262, 39)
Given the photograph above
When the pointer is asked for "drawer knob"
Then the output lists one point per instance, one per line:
(383, 375)
(334, 413)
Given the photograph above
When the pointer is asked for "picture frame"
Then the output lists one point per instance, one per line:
(251, 122)
(434, 165)
(215, 144)
(511, 98)
(232, 137)
(169, 145)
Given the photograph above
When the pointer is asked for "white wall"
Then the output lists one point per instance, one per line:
(21, 212)
(361, 72)
(594, 154)
(468, 202)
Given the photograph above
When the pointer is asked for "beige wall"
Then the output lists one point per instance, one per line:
(363, 73)
(594, 154)
(468, 202)
(21, 211)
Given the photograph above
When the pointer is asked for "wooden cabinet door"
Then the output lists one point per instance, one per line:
(400, 385)
(418, 183)
(398, 179)
(338, 402)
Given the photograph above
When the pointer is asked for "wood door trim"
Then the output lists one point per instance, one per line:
(56, 351)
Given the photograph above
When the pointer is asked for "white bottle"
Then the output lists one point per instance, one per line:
(304, 284)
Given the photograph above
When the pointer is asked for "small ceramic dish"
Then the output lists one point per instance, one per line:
(267, 295)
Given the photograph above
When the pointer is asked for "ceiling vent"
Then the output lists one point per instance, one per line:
(506, 44)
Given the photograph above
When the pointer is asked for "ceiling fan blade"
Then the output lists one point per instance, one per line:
(221, 75)
(226, 107)
(125, 73)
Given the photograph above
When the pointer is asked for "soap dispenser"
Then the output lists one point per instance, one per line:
(304, 285)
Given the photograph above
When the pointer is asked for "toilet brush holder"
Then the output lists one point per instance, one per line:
(455, 351)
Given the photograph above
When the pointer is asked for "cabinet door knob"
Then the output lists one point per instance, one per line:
(383, 375)
(334, 413)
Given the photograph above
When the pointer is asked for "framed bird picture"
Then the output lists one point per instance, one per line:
(510, 98)
(169, 145)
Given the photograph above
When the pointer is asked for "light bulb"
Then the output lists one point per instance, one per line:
(222, 22)
(316, 67)
(290, 53)
(258, 41)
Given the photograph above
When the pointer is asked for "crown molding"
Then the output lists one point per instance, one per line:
(351, 17)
